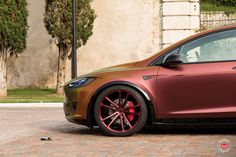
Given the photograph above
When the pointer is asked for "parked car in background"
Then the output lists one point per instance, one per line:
(191, 80)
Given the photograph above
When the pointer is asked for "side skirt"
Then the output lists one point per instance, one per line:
(202, 121)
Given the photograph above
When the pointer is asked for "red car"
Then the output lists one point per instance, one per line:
(193, 80)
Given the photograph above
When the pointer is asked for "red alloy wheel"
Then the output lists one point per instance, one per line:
(120, 111)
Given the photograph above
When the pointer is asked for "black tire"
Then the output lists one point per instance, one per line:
(142, 115)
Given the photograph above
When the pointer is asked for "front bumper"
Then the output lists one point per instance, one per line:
(77, 101)
(73, 106)
(72, 116)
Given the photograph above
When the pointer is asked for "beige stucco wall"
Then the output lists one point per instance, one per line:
(37, 65)
(124, 31)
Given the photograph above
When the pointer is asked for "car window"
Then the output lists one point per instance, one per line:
(215, 47)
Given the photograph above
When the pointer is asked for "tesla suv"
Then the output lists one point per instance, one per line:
(191, 81)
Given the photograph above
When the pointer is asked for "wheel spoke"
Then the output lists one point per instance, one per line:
(109, 116)
(122, 123)
(106, 106)
(126, 99)
(128, 107)
(113, 120)
(127, 121)
(113, 103)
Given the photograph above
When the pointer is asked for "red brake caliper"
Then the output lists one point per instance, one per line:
(131, 111)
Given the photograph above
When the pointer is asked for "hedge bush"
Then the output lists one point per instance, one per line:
(222, 2)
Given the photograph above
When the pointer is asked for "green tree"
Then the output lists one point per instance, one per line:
(221, 2)
(13, 34)
(58, 22)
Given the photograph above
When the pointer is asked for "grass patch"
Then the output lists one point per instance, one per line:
(29, 95)
(206, 6)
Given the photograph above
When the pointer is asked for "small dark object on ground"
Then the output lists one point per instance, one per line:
(46, 139)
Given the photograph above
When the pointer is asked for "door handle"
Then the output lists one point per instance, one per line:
(234, 68)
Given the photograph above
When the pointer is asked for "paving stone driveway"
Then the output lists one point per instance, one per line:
(21, 130)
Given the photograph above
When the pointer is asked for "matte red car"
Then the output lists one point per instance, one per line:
(192, 80)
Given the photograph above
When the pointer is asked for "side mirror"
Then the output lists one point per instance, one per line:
(171, 60)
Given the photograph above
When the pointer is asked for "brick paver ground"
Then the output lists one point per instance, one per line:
(27, 126)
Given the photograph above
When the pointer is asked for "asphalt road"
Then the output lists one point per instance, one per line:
(16, 123)
(22, 128)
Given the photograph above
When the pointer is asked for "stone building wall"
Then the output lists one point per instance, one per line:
(124, 31)
(214, 19)
(180, 19)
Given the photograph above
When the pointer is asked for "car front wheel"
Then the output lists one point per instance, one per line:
(120, 111)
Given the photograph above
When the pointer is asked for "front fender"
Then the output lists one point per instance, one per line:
(146, 96)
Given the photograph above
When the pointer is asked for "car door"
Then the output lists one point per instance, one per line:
(204, 86)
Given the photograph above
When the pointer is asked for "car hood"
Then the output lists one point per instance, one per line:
(112, 69)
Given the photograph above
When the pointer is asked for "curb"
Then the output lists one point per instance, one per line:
(30, 105)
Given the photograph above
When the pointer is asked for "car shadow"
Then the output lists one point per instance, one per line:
(76, 129)
(191, 129)
(155, 129)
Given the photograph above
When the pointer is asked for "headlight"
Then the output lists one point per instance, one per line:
(81, 82)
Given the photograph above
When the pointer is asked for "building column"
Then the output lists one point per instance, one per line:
(180, 19)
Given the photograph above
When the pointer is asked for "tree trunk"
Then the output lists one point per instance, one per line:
(61, 71)
(3, 74)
